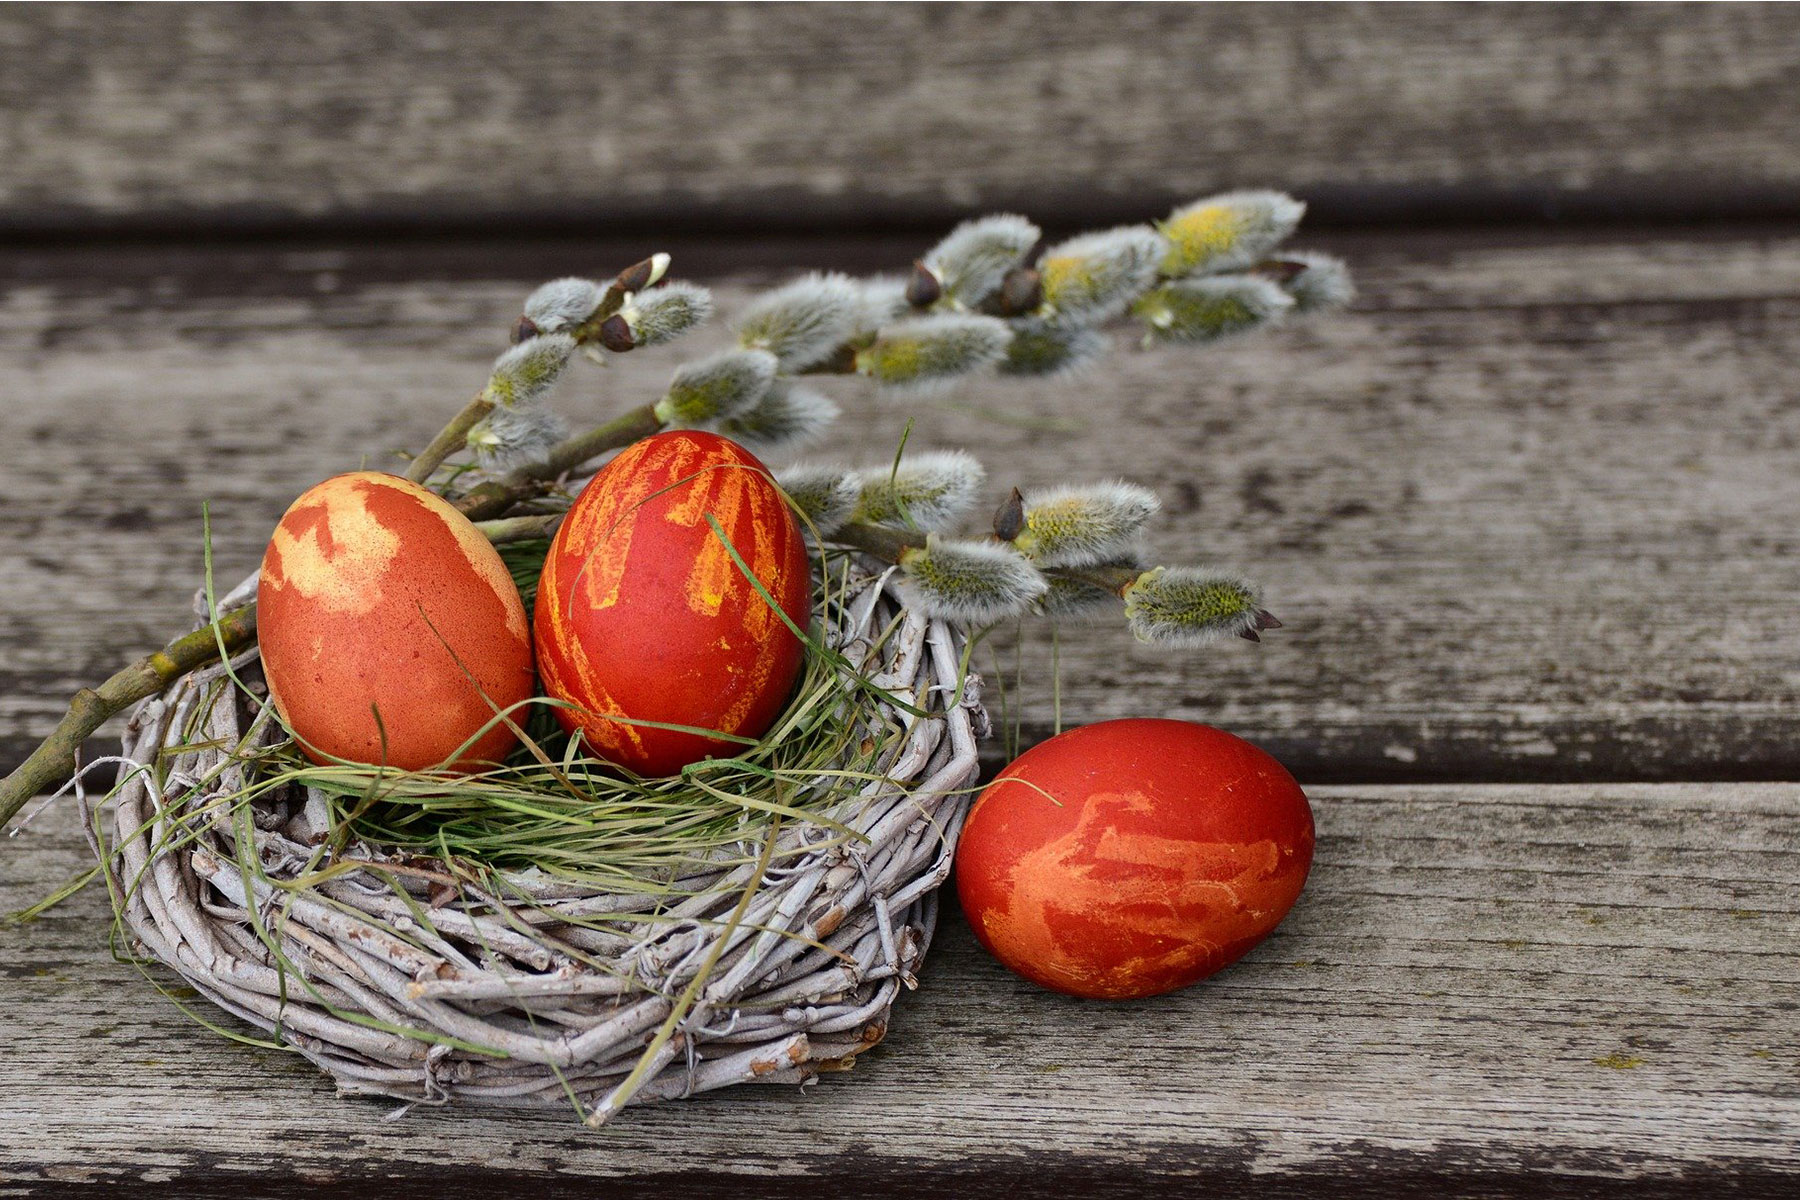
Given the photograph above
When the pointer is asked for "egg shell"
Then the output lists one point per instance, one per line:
(643, 614)
(377, 596)
(1130, 858)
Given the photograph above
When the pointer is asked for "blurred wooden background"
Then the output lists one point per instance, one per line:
(572, 118)
(1529, 511)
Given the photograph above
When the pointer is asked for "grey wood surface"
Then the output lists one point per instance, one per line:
(1528, 511)
(202, 117)
(1571, 990)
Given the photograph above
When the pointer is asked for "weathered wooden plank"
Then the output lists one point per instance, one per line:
(1499, 991)
(178, 116)
(1528, 511)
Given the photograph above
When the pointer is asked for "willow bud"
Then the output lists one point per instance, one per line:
(804, 321)
(928, 491)
(927, 352)
(1193, 607)
(526, 371)
(1090, 279)
(1211, 307)
(1022, 291)
(716, 388)
(1227, 232)
(641, 275)
(922, 288)
(975, 583)
(615, 334)
(971, 263)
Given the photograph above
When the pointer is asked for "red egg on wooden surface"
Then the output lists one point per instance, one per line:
(1133, 857)
(643, 614)
(377, 596)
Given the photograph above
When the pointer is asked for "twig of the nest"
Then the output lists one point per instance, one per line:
(491, 999)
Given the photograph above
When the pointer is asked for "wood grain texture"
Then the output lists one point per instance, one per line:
(1528, 510)
(1494, 991)
(215, 116)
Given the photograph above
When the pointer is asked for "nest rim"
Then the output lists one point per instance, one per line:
(770, 976)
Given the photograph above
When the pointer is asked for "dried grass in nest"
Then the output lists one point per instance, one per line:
(554, 932)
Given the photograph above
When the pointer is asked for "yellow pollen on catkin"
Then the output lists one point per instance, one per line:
(1063, 274)
(1199, 236)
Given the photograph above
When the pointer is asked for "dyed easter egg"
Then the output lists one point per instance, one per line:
(643, 615)
(376, 596)
(1134, 857)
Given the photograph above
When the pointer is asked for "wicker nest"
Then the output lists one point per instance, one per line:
(490, 998)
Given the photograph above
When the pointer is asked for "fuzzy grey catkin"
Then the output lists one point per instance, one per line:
(929, 352)
(1072, 597)
(976, 583)
(1322, 284)
(1047, 349)
(525, 372)
(1091, 278)
(826, 495)
(926, 491)
(1191, 606)
(788, 415)
(882, 302)
(665, 313)
(562, 304)
(975, 257)
(1211, 307)
(1227, 232)
(717, 388)
(803, 322)
(1081, 525)
(512, 437)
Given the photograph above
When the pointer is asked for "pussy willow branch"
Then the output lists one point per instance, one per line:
(450, 439)
(890, 544)
(54, 760)
(494, 497)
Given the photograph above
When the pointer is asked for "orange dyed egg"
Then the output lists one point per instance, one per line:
(642, 613)
(1135, 857)
(376, 596)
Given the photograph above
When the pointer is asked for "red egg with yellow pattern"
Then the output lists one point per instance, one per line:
(391, 631)
(1130, 858)
(645, 619)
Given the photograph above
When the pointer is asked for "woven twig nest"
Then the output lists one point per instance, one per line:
(397, 985)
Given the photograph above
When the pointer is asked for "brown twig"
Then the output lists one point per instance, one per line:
(493, 498)
(885, 542)
(519, 529)
(450, 439)
(54, 759)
